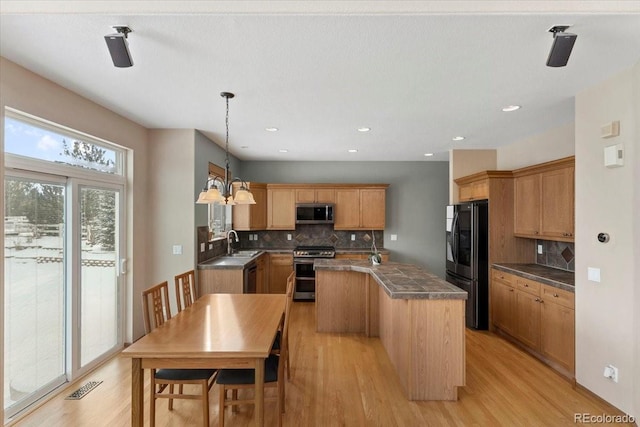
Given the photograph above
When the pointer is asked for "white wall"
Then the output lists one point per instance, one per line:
(553, 144)
(23, 90)
(170, 199)
(607, 313)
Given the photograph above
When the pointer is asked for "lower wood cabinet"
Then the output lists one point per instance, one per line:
(280, 267)
(220, 281)
(539, 317)
(262, 274)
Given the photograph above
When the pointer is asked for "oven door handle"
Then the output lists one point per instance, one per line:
(303, 261)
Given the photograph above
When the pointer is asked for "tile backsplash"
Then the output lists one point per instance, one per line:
(556, 254)
(310, 235)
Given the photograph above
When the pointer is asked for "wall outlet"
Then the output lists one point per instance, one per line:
(593, 274)
(289, 236)
(201, 247)
(250, 237)
(611, 372)
(353, 237)
(210, 246)
(255, 237)
(539, 249)
(394, 237)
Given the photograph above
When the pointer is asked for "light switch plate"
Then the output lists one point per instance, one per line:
(394, 237)
(177, 249)
(201, 247)
(593, 274)
(539, 249)
(288, 236)
(353, 237)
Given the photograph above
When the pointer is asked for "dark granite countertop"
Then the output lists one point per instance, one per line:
(382, 251)
(399, 281)
(557, 278)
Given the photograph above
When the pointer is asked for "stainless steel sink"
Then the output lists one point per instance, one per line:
(244, 254)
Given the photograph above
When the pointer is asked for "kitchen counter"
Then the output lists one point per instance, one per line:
(399, 281)
(560, 279)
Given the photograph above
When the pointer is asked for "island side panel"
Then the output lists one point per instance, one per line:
(438, 349)
(341, 299)
(373, 307)
(395, 335)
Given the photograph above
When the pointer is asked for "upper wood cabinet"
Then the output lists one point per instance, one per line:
(311, 195)
(251, 217)
(360, 208)
(478, 186)
(281, 208)
(544, 200)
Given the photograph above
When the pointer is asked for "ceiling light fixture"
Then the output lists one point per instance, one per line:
(118, 47)
(352, 150)
(561, 47)
(283, 150)
(364, 129)
(271, 129)
(457, 138)
(210, 194)
(428, 154)
(510, 108)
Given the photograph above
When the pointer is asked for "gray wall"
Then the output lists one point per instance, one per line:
(416, 199)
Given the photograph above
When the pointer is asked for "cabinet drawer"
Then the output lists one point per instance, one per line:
(558, 296)
(529, 286)
(501, 276)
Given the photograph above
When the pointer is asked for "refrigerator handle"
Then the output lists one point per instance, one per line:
(454, 240)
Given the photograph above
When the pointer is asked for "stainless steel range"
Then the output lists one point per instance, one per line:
(303, 257)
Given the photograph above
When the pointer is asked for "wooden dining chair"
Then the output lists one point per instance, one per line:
(276, 344)
(185, 289)
(156, 312)
(236, 379)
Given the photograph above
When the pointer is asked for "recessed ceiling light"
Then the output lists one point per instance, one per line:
(428, 154)
(271, 129)
(509, 108)
(353, 150)
(458, 138)
(283, 150)
(364, 129)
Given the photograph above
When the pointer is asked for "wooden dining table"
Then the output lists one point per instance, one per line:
(217, 331)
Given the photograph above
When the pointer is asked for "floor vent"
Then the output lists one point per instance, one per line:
(82, 391)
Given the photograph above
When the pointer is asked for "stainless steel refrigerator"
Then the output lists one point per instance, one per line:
(468, 257)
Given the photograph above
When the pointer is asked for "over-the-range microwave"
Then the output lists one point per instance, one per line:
(314, 213)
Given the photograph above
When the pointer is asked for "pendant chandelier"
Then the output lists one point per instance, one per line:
(210, 193)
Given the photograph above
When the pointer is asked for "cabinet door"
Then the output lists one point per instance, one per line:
(557, 216)
(347, 209)
(503, 302)
(258, 212)
(558, 334)
(261, 279)
(372, 209)
(527, 205)
(528, 319)
(280, 267)
(326, 195)
(305, 195)
(281, 207)
(474, 191)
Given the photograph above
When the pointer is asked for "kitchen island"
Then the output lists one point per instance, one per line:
(418, 317)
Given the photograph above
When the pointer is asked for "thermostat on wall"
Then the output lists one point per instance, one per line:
(614, 156)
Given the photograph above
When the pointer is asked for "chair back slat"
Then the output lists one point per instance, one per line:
(155, 306)
(287, 312)
(185, 289)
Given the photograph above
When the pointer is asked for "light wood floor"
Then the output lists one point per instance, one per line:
(347, 380)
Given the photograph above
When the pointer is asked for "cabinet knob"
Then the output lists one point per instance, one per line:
(555, 295)
(510, 290)
(526, 285)
(535, 232)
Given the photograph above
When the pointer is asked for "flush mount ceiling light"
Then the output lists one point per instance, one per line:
(271, 129)
(510, 108)
(428, 154)
(118, 46)
(457, 138)
(352, 150)
(364, 129)
(283, 150)
(210, 193)
(561, 47)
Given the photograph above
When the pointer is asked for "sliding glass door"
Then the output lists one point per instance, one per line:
(34, 287)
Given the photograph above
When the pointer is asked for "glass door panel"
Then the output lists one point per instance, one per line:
(99, 281)
(34, 286)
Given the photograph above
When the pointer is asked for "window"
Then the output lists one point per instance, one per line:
(219, 215)
(29, 137)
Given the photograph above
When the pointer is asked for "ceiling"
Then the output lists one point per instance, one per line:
(416, 73)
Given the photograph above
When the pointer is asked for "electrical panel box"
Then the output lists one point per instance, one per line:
(614, 156)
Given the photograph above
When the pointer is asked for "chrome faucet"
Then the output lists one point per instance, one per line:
(229, 248)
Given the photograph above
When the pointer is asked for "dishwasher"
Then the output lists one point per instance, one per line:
(250, 274)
